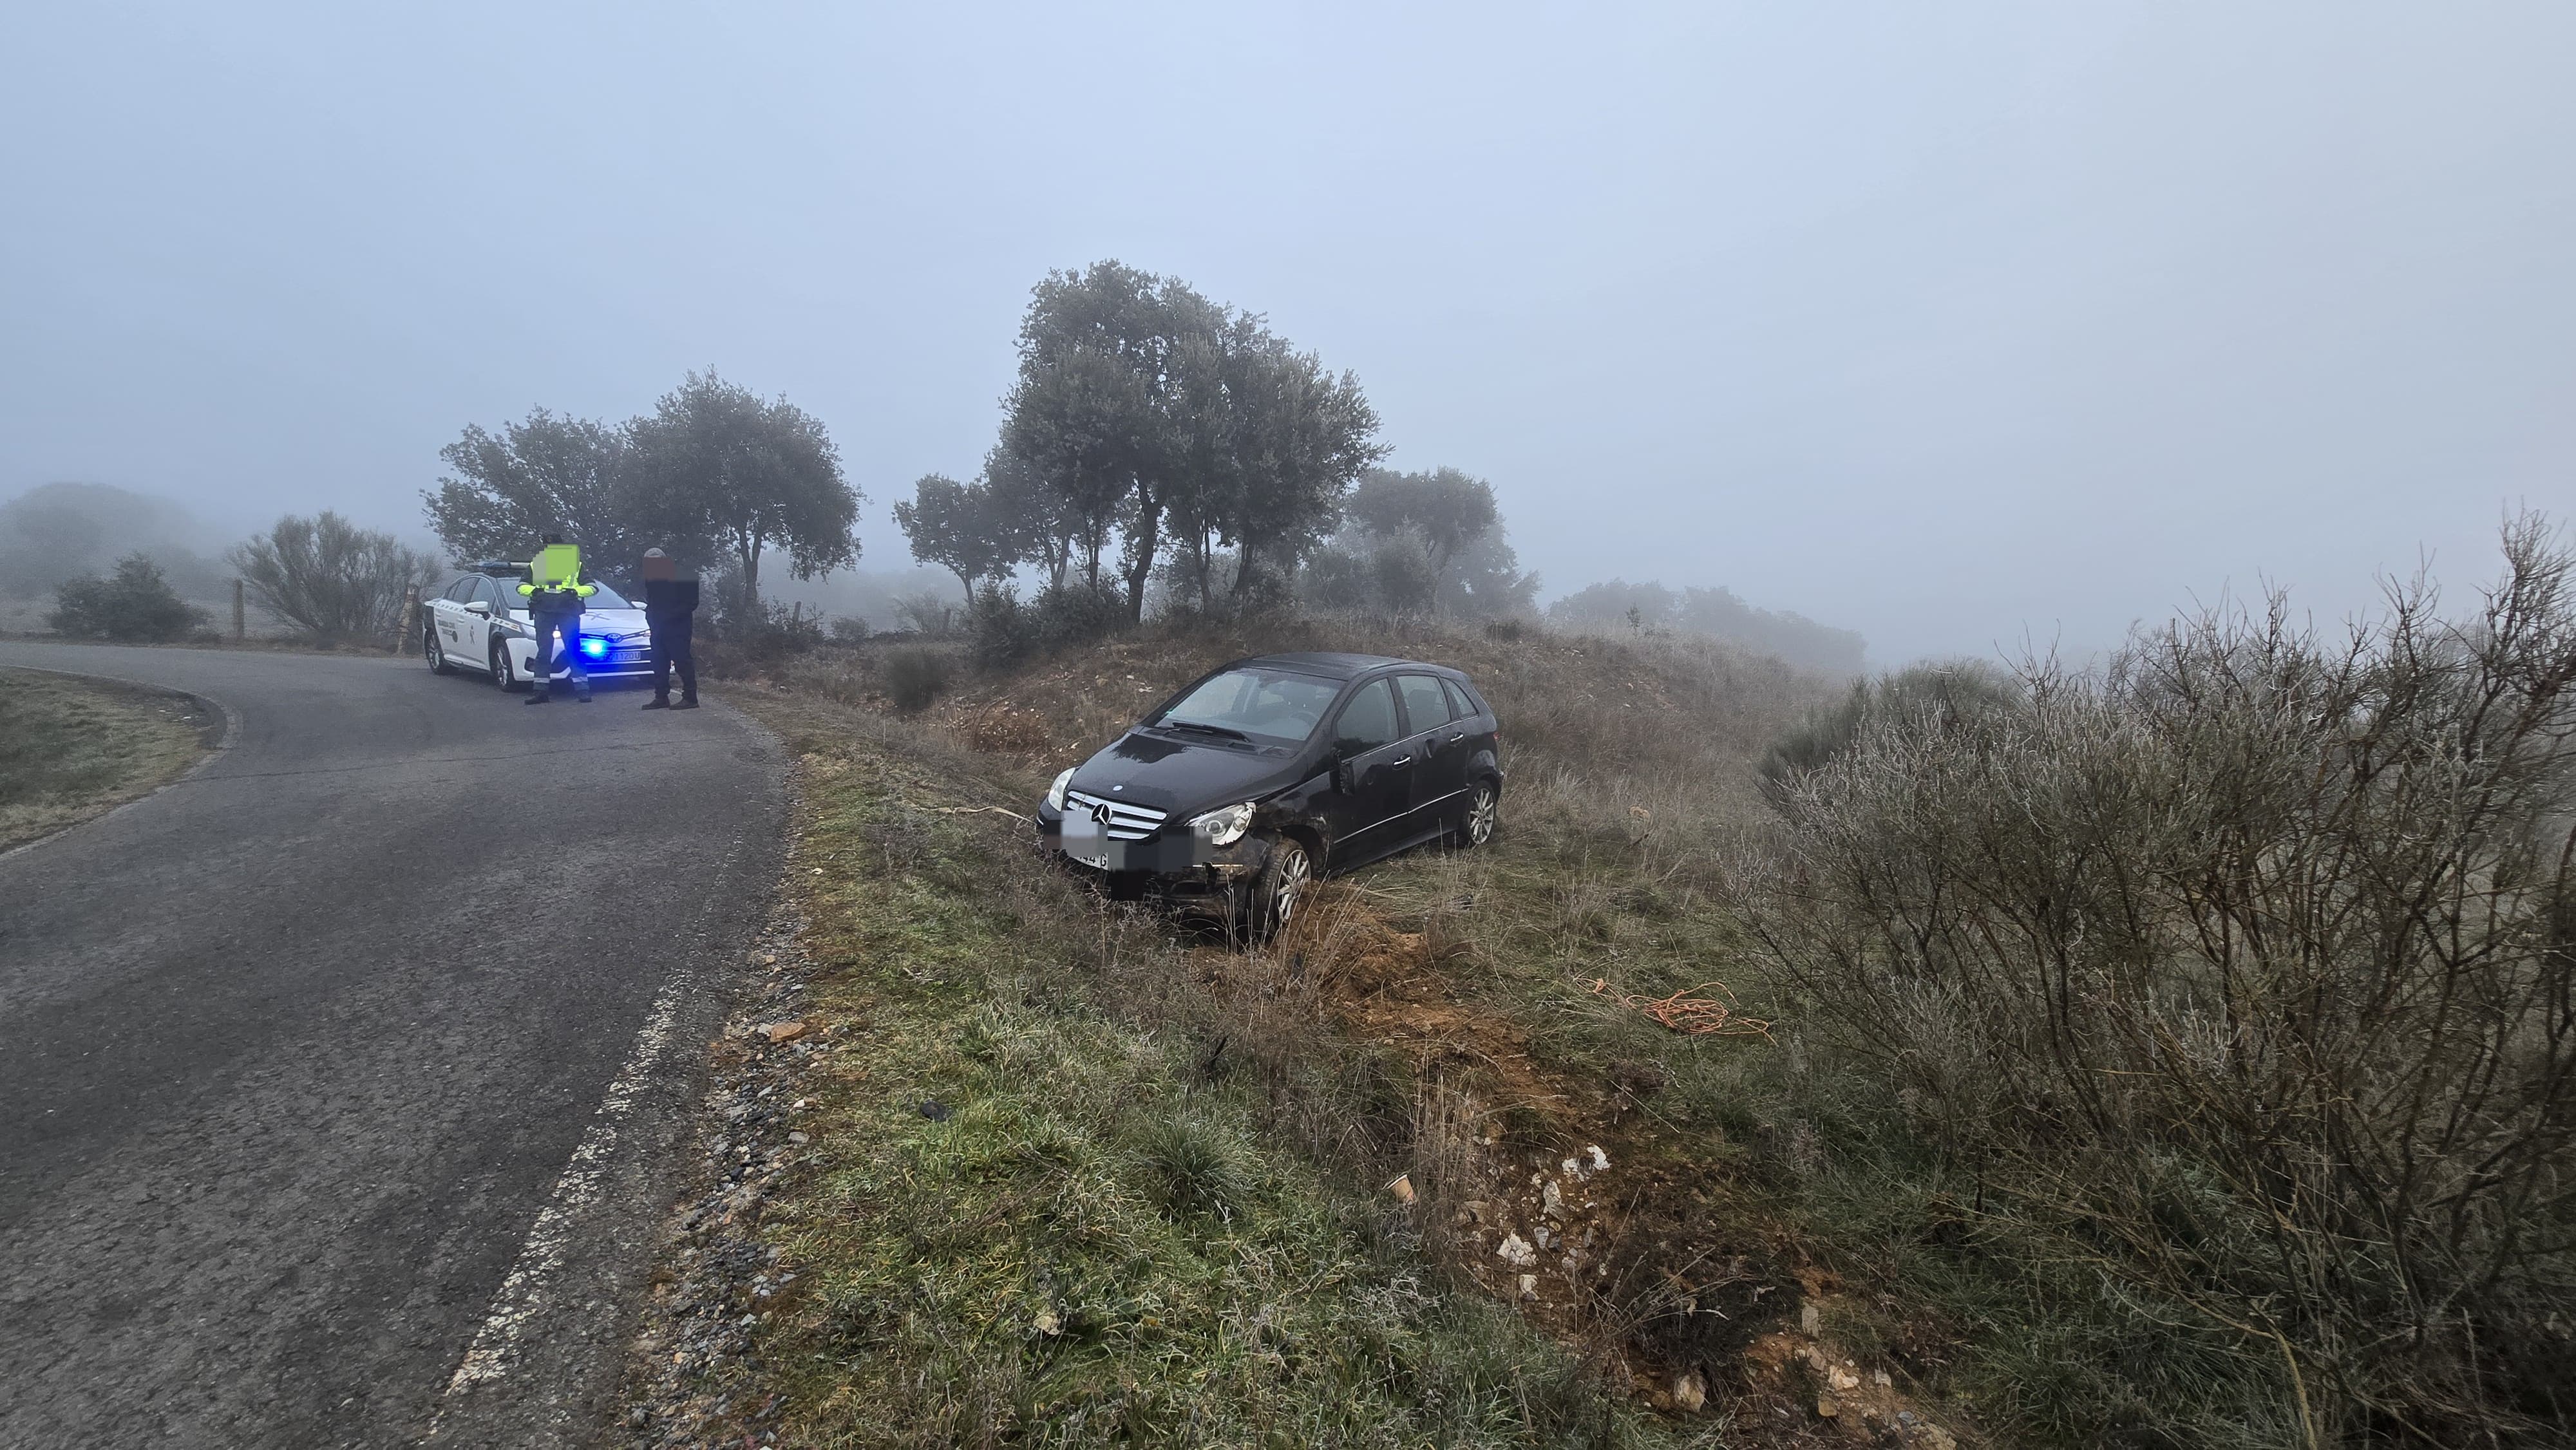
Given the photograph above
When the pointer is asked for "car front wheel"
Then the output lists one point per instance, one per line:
(1281, 891)
(502, 674)
(436, 656)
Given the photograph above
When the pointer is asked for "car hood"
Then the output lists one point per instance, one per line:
(1182, 778)
(601, 621)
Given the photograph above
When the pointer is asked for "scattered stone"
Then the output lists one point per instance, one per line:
(782, 1031)
(1879, 1378)
(1551, 1201)
(1529, 1286)
(1809, 1318)
(1842, 1380)
(1541, 1236)
(798, 1138)
(1516, 1251)
(1689, 1393)
(1827, 1407)
(1472, 1211)
(1048, 1322)
(935, 1110)
(1600, 1160)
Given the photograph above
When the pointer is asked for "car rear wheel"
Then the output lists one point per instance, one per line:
(1484, 817)
(502, 674)
(437, 657)
(1282, 890)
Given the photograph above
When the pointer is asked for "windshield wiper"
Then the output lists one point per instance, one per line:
(1228, 731)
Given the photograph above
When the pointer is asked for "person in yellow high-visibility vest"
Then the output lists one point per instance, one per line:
(554, 591)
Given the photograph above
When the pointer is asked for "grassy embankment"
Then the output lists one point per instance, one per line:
(1155, 1137)
(1470, 1021)
(1055, 1195)
(73, 748)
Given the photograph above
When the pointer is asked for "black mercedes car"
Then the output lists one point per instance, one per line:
(1261, 775)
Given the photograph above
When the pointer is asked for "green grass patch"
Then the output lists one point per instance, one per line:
(1090, 1239)
(71, 748)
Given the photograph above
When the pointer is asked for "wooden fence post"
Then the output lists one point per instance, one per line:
(240, 628)
(410, 620)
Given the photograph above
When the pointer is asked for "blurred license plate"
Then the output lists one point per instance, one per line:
(1086, 841)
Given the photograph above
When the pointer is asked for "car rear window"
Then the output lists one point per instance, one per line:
(1425, 708)
(1368, 721)
(1461, 704)
(1265, 705)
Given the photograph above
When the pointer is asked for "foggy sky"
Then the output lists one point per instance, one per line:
(1946, 323)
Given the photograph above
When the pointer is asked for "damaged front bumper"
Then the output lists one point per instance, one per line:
(1174, 865)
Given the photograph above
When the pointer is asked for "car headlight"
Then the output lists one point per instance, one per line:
(1224, 827)
(1055, 792)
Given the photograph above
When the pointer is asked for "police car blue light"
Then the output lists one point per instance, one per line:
(594, 646)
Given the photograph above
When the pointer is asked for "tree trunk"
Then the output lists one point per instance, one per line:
(748, 549)
(970, 587)
(1149, 542)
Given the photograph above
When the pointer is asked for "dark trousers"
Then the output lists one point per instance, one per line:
(545, 627)
(671, 649)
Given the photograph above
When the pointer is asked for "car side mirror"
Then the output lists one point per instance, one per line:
(479, 607)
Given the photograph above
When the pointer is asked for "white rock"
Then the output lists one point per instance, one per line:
(1516, 1251)
(1688, 1393)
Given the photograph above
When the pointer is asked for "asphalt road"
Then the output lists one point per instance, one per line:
(355, 1058)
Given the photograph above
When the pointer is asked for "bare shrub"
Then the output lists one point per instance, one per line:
(335, 580)
(2246, 969)
(914, 678)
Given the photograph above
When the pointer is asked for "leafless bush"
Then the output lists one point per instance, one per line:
(2247, 967)
(332, 578)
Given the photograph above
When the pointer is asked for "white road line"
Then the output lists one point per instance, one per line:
(523, 1292)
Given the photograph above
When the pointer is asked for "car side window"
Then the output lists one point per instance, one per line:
(491, 594)
(1460, 707)
(1424, 706)
(1368, 720)
(461, 590)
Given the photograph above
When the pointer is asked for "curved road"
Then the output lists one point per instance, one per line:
(338, 1081)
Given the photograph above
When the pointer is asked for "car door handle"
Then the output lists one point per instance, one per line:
(1399, 762)
(1461, 735)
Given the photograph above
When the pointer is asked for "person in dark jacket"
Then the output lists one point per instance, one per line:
(554, 591)
(670, 603)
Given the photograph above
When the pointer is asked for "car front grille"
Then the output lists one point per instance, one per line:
(1124, 821)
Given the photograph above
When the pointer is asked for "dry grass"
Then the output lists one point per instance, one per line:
(1137, 1216)
(72, 748)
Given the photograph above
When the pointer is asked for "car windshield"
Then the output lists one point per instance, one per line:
(1265, 706)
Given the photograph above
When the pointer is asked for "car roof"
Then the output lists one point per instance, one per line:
(1341, 666)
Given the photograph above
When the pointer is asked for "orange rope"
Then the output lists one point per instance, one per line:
(1693, 1015)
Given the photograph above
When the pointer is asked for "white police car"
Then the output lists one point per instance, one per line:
(480, 622)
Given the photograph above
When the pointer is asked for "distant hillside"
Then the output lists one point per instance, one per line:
(63, 531)
(1618, 606)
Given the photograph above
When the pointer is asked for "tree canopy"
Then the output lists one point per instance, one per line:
(716, 476)
(962, 527)
(1146, 418)
(749, 475)
(546, 475)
